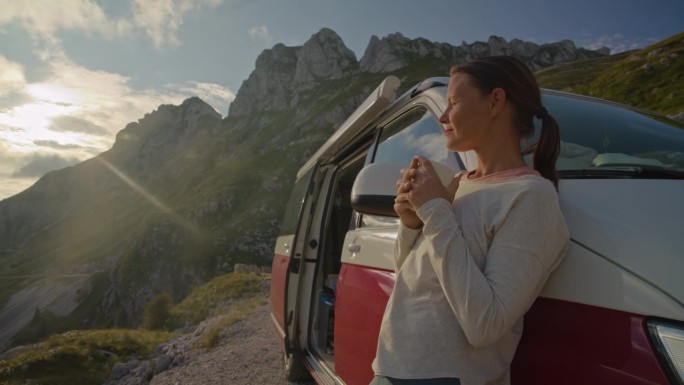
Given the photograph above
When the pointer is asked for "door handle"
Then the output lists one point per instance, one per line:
(354, 248)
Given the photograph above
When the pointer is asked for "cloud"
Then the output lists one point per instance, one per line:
(9, 162)
(76, 124)
(40, 165)
(88, 107)
(10, 128)
(56, 145)
(161, 19)
(43, 19)
(92, 101)
(260, 33)
(11, 76)
(5, 154)
(80, 108)
(617, 42)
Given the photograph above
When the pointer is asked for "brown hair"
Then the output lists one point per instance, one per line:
(522, 90)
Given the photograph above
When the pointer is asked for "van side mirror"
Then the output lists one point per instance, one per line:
(374, 191)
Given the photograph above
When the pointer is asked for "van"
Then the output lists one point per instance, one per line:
(611, 313)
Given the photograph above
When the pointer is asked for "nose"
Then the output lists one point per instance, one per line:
(444, 118)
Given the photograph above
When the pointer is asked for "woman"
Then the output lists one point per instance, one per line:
(472, 257)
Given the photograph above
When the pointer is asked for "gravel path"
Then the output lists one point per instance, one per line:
(248, 354)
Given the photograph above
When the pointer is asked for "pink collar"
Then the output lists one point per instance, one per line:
(503, 175)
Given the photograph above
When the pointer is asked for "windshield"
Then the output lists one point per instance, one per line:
(605, 139)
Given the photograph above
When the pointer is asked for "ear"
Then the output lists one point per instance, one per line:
(498, 100)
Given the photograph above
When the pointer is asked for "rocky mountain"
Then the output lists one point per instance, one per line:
(183, 195)
(283, 75)
(396, 51)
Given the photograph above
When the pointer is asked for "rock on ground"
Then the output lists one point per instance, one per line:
(248, 354)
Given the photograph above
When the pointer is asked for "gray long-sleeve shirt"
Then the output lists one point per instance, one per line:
(465, 280)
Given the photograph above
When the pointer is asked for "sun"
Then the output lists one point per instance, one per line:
(31, 122)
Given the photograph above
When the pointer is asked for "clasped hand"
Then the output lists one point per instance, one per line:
(419, 184)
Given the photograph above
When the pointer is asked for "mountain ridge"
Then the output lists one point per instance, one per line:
(282, 74)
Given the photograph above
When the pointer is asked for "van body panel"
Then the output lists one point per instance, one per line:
(288, 265)
(372, 247)
(637, 232)
(283, 245)
(362, 295)
(567, 343)
(587, 344)
(281, 261)
(584, 344)
(587, 278)
(278, 275)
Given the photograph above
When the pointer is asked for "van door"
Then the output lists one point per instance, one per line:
(367, 275)
(287, 262)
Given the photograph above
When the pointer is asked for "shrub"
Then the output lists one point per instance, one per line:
(157, 311)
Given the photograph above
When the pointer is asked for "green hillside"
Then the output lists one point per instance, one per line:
(651, 78)
(87, 356)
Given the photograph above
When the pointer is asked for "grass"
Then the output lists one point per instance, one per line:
(651, 78)
(83, 356)
(216, 297)
(570, 76)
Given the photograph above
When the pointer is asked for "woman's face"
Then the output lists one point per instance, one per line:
(466, 118)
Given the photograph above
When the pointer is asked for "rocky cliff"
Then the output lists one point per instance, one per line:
(183, 195)
(282, 75)
(396, 51)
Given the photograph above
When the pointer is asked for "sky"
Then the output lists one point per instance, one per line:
(74, 72)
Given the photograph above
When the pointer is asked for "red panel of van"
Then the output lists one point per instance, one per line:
(362, 295)
(582, 344)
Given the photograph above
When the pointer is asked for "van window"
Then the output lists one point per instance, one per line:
(293, 208)
(600, 139)
(416, 132)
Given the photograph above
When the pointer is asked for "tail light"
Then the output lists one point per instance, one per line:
(668, 339)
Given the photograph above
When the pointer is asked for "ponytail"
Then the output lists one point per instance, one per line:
(547, 148)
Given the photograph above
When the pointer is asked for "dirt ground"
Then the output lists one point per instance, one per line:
(248, 354)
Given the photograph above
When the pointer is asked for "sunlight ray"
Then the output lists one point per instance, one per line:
(191, 227)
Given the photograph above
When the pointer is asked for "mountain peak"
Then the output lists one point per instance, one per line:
(193, 109)
(323, 56)
(167, 123)
(282, 72)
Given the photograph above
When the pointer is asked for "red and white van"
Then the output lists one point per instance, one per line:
(612, 313)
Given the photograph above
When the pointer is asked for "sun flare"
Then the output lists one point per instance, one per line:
(31, 123)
